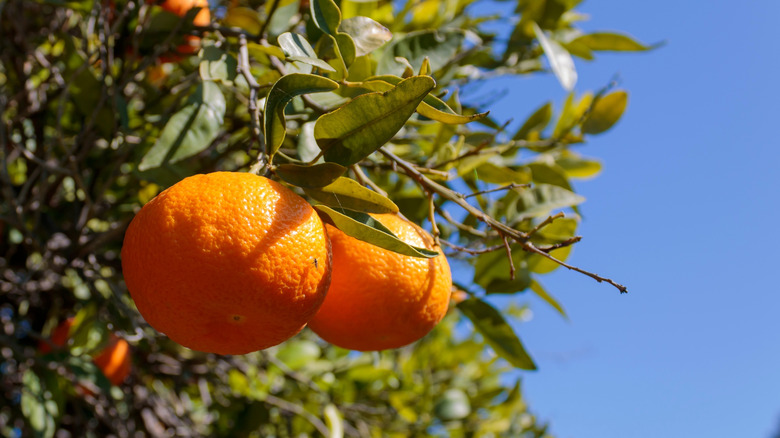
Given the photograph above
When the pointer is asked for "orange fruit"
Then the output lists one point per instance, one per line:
(379, 299)
(202, 18)
(113, 360)
(227, 262)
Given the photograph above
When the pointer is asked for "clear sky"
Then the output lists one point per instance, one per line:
(685, 213)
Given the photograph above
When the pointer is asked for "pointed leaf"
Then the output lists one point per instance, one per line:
(536, 122)
(190, 130)
(497, 332)
(439, 46)
(326, 15)
(549, 299)
(431, 107)
(608, 41)
(354, 131)
(296, 48)
(543, 198)
(560, 60)
(367, 34)
(281, 93)
(243, 18)
(576, 166)
(348, 193)
(217, 65)
(363, 227)
(606, 111)
(318, 175)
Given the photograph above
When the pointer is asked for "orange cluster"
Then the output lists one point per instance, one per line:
(232, 263)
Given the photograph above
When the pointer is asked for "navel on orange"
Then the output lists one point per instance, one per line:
(379, 299)
(227, 262)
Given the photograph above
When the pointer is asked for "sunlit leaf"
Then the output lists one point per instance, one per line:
(577, 166)
(243, 18)
(608, 41)
(452, 405)
(543, 198)
(296, 48)
(354, 131)
(282, 92)
(497, 332)
(549, 299)
(440, 46)
(217, 65)
(367, 34)
(347, 193)
(318, 175)
(190, 130)
(536, 122)
(606, 111)
(363, 227)
(38, 406)
(560, 60)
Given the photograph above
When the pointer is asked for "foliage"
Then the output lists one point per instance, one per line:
(357, 105)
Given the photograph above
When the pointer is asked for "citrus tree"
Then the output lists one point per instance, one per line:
(355, 106)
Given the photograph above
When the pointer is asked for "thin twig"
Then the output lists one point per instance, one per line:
(366, 180)
(545, 222)
(498, 189)
(273, 8)
(469, 250)
(261, 165)
(565, 243)
(501, 228)
(432, 218)
(461, 226)
(509, 256)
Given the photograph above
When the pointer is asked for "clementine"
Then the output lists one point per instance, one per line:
(379, 299)
(227, 262)
(113, 360)
(202, 18)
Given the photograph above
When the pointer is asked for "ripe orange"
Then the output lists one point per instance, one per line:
(227, 262)
(113, 360)
(379, 299)
(202, 18)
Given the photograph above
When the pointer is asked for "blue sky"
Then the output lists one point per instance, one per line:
(684, 213)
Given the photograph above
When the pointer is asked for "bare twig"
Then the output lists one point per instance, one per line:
(498, 189)
(509, 256)
(365, 180)
(565, 243)
(261, 165)
(469, 250)
(432, 218)
(545, 222)
(461, 226)
(274, 6)
(504, 230)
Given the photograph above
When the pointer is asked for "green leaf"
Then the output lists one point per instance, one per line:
(606, 111)
(560, 60)
(363, 227)
(576, 166)
(608, 41)
(452, 405)
(549, 299)
(297, 48)
(367, 34)
(497, 332)
(244, 18)
(281, 93)
(543, 198)
(440, 46)
(217, 65)
(431, 107)
(536, 122)
(542, 265)
(549, 173)
(39, 405)
(190, 130)
(491, 271)
(318, 175)
(347, 193)
(354, 131)
(298, 353)
(326, 15)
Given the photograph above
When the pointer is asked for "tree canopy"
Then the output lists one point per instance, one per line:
(357, 105)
